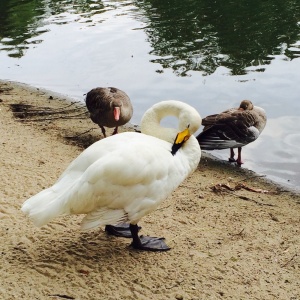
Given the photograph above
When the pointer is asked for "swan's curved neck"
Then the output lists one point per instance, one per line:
(150, 123)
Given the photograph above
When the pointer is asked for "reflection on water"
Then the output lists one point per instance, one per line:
(21, 21)
(203, 35)
(281, 161)
(185, 36)
(211, 54)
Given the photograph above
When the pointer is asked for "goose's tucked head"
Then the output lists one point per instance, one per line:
(189, 121)
(246, 105)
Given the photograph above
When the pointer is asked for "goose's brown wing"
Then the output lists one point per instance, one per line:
(230, 129)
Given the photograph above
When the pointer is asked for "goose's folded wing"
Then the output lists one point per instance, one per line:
(228, 130)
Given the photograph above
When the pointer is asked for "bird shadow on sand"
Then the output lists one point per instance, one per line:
(70, 249)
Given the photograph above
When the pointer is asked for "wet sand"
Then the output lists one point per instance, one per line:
(227, 243)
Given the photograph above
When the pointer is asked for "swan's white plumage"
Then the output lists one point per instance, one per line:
(123, 177)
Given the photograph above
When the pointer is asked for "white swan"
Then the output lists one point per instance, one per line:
(109, 107)
(233, 128)
(125, 176)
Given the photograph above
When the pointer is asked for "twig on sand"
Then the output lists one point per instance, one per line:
(239, 233)
(243, 186)
(62, 296)
(79, 134)
(225, 188)
(252, 200)
(77, 116)
(221, 187)
(36, 110)
(284, 265)
(252, 176)
(27, 112)
(66, 106)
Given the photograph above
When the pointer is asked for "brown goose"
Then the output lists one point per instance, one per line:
(233, 128)
(109, 107)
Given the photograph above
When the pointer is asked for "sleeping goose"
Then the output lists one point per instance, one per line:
(108, 107)
(233, 128)
(126, 176)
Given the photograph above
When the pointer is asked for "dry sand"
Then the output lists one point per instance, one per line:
(238, 244)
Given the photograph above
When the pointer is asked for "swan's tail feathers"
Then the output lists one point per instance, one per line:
(43, 207)
(103, 216)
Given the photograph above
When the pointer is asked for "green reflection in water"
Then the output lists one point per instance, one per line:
(21, 21)
(189, 35)
(201, 35)
(18, 22)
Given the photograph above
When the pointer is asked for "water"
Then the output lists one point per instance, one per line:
(209, 54)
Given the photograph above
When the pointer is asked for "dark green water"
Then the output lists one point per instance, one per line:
(207, 34)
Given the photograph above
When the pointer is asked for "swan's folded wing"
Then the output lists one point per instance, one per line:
(90, 155)
(131, 181)
(103, 216)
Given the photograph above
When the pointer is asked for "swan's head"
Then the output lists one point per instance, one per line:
(189, 121)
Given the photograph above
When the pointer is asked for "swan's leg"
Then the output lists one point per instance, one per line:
(115, 131)
(103, 130)
(147, 243)
(239, 159)
(231, 158)
(121, 230)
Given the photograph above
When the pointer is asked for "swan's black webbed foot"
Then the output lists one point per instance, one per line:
(147, 243)
(120, 230)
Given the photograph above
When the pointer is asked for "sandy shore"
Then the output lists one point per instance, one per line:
(227, 243)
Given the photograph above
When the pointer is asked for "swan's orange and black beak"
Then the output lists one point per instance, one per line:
(180, 139)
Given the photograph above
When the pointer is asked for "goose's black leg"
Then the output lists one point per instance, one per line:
(115, 131)
(120, 230)
(103, 130)
(147, 243)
